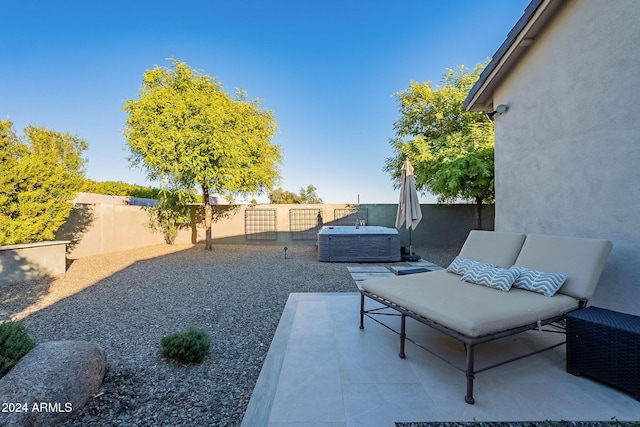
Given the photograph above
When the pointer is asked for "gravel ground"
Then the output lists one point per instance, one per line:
(127, 301)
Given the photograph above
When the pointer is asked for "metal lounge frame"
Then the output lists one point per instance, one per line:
(469, 342)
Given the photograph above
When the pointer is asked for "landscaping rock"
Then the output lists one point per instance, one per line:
(50, 382)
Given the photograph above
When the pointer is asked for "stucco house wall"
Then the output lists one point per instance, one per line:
(567, 151)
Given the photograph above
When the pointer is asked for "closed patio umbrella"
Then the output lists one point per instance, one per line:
(409, 211)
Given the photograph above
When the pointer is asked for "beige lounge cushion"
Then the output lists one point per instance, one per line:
(468, 308)
(494, 247)
(582, 260)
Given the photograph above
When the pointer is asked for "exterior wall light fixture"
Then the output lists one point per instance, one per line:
(500, 110)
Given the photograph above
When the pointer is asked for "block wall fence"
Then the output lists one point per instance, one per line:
(102, 228)
(98, 228)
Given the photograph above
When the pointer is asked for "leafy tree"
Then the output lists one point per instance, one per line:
(172, 213)
(450, 148)
(307, 196)
(284, 197)
(41, 174)
(186, 131)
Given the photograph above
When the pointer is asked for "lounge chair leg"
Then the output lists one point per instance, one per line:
(470, 375)
(403, 321)
(361, 311)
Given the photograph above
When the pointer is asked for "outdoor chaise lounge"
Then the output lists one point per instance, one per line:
(474, 313)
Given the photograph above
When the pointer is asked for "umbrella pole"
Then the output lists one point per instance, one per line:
(410, 256)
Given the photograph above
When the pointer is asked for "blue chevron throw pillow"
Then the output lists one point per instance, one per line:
(461, 265)
(493, 277)
(538, 281)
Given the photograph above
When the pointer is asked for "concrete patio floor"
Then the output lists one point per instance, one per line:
(322, 370)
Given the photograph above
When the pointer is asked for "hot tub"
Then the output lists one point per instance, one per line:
(363, 244)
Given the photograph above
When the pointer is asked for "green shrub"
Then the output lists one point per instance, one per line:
(187, 347)
(42, 172)
(14, 344)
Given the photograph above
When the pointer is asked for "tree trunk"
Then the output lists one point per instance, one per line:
(194, 224)
(208, 245)
(478, 213)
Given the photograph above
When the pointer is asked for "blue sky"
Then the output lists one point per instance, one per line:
(328, 70)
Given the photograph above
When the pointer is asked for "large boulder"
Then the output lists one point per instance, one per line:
(50, 382)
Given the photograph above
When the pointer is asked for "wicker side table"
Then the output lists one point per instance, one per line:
(605, 345)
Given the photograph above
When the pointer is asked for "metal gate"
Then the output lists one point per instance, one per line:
(351, 216)
(305, 223)
(260, 224)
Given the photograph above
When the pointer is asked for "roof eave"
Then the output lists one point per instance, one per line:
(524, 33)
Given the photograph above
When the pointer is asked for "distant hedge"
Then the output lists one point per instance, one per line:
(119, 188)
